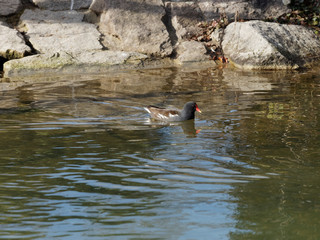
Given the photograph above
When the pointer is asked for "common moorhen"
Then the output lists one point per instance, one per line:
(172, 115)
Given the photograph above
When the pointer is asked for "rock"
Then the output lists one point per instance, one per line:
(264, 45)
(243, 9)
(134, 26)
(185, 17)
(61, 5)
(50, 31)
(91, 17)
(12, 43)
(109, 58)
(80, 62)
(191, 51)
(216, 36)
(213, 10)
(9, 7)
(98, 6)
(286, 2)
(273, 8)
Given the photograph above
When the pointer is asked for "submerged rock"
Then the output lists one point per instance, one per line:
(80, 62)
(264, 45)
(134, 26)
(12, 43)
(50, 31)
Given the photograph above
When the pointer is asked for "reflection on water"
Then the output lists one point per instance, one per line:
(79, 157)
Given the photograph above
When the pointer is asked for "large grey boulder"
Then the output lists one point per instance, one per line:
(191, 51)
(8, 7)
(243, 9)
(50, 31)
(264, 45)
(12, 43)
(183, 18)
(80, 62)
(61, 5)
(134, 26)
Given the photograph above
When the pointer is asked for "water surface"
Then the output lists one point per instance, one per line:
(80, 159)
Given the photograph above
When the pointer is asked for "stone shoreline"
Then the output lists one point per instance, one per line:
(99, 35)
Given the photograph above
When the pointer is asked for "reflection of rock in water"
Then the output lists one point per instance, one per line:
(16, 110)
(247, 81)
(136, 82)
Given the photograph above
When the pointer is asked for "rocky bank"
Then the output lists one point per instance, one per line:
(41, 36)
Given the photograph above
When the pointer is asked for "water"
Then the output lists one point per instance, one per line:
(79, 158)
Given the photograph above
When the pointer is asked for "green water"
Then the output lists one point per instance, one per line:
(80, 159)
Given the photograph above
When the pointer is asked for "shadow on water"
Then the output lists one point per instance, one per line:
(79, 157)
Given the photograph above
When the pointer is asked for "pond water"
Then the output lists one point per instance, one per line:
(80, 159)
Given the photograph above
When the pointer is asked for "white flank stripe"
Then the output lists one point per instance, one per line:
(162, 116)
(147, 110)
(173, 115)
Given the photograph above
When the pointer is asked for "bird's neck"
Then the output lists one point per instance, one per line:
(186, 114)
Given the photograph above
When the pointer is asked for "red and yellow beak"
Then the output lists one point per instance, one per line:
(197, 109)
